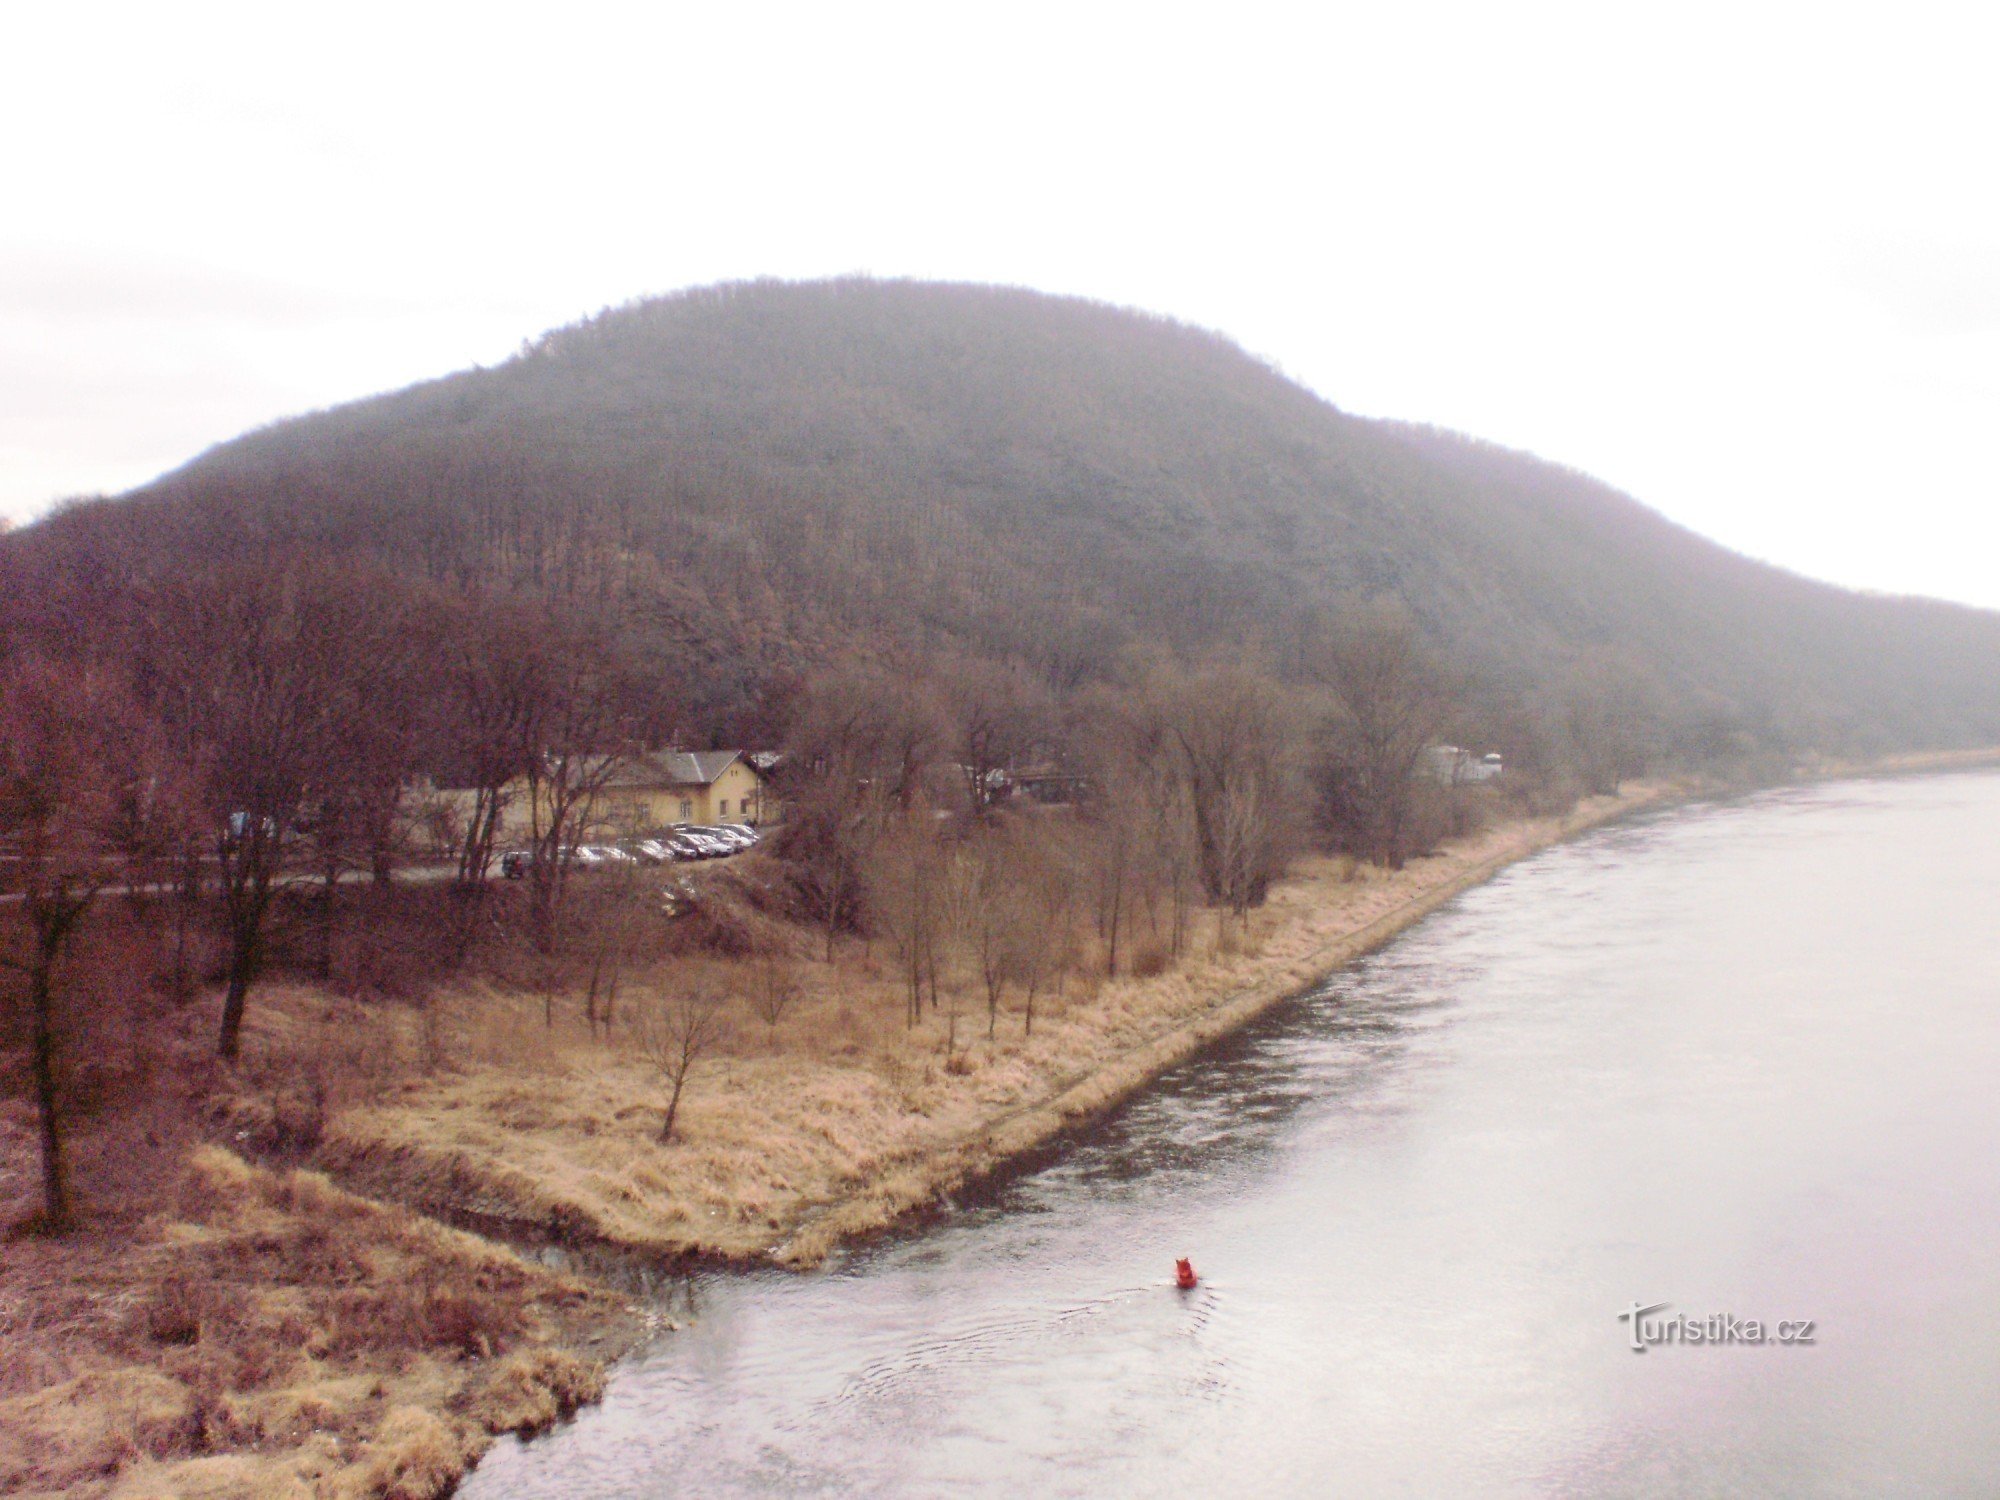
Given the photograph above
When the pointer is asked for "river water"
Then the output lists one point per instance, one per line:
(1742, 1059)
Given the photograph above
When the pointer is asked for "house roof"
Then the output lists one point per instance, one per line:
(676, 768)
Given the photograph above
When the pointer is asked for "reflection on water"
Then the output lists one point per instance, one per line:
(1741, 1059)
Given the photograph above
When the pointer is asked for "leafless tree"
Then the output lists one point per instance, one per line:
(1393, 698)
(82, 788)
(1200, 765)
(675, 1033)
(614, 922)
(576, 743)
(363, 759)
(776, 987)
(908, 903)
(992, 923)
(1607, 718)
(255, 668)
(493, 660)
(855, 760)
(1014, 884)
(995, 713)
(1044, 941)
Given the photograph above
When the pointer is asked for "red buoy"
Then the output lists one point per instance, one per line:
(1184, 1276)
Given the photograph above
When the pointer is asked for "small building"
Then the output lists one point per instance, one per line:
(1455, 767)
(1050, 784)
(644, 793)
(653, 791)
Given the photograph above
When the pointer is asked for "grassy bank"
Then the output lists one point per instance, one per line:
(264, 1333)
(301, 1323)
(842, 1118)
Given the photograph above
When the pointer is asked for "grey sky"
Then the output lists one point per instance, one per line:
(1742, 261)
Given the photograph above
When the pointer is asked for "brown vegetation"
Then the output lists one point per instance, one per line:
(850, 1115)
(229, 1328)
(1116, 735)
(262, 1332)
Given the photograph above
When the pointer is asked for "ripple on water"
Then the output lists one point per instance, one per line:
(1737, 1057)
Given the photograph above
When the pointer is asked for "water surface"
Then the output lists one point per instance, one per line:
(1740, 1059)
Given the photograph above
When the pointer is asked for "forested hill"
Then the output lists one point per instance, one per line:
(759, 477)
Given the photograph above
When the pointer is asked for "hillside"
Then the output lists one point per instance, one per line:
(762, 476)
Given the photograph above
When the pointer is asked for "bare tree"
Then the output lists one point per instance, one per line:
(1392, 700)
(1045, 935)
(1607, 718)
(907, 902)
(1112, 859)
(775, 988)
(675, 1033)
(363, 758)
(255, 669)
(855, 759)
(575, 745)
(492, 682)
(991, 924)
(613, 922)
(994, 712)
(79, 790)
(1217, 747)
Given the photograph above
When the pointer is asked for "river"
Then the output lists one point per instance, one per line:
(1742, 1059)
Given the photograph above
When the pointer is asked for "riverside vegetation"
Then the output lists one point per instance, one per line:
(263, 1297)
(1105, 666)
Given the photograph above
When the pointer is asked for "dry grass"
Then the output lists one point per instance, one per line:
(267, 1333)
(256, 1330)
(846, 1118)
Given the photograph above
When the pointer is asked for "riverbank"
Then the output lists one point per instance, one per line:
(267, 1330)
(842, 1119)
(1414, 1196)
(1324, 916)
(259, 1332)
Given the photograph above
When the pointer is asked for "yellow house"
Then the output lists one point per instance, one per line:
(650, 792)
(646, 793)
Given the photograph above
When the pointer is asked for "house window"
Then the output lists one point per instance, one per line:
(687, 809)
(723, 807)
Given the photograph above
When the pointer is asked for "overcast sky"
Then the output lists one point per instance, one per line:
(1743, 262)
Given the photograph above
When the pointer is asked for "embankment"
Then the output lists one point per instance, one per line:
(1345, 929)
(844, 1120)
(270, 1332)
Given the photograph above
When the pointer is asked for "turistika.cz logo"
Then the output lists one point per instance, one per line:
(1717, 1328)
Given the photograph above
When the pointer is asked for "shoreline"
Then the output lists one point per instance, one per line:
(998, 1143)
(841, 1128)
(908, 1184)
(791, 1154)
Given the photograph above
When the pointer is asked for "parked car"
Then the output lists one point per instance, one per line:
(514, 865)
(606, 856)
(738, 839)
(680, 846)
(707, 845)
(742, 830)
(649, 851)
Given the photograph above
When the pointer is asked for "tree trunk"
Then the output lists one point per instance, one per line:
(55, 1172)
(1117, 913)
(242, 970)
(329, 894)
(673, 1108)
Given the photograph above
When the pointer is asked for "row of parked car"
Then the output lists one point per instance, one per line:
(685, 841)
(682, 842)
